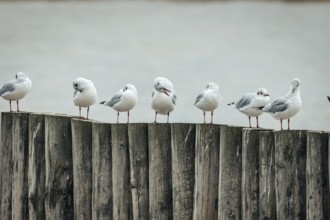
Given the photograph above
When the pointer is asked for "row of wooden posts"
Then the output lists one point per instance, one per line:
(59, 167)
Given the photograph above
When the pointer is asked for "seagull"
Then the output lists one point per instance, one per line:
(208, 100)
(85, 94)
(123, 101)
(16, 89)
(251, 104)
(163, 97)
(286, 106)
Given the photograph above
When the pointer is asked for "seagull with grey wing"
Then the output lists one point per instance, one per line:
(16, 89)
(163, 97)
(123, 101)
(287, 106)
(251, 104)
(85, 94)
(208, 100)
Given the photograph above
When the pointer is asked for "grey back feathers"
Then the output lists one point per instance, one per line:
(276, 106)
(8, 87)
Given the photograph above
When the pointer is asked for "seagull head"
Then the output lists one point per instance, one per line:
(21, 76)
(212, 86)
(163, 85)
(262, 92)
(295, 85)
(80, 84)
(130, 87)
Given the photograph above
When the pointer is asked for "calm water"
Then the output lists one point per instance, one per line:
(242, 46)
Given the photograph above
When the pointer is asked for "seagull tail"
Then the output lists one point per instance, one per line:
(231, 104)
(329, 98)
(259, 108)
(102, 103)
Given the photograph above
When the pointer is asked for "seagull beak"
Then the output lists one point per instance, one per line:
(166, 91)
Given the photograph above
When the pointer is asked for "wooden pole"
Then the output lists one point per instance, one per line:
(250, 174)
(267, 196)
(138, 154)
(317, 186)
(160, 178)
(6, 166)
(82, 168)
(206, 171)
(290, 174)
(58, 155)
(37, 167)
(102, 172)
(230, 177)
(183, 170)
(20, 166)
(122, 199)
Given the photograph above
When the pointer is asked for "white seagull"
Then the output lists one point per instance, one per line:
(16, 89)
(123, 101)
(251, 104)
(163, 97)
(85, 94)
(208, 100)
(286, 106)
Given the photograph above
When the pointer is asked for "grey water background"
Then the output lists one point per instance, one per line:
(242, 46)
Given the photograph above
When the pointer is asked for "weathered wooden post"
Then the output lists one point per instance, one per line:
(102, 203)
(230, 177)
(6, 165)
(138, 154)
(206, 171)
(160, 178)
(37, 167)
(250, 174)
(58, 155)
(267, 196)
(82, 168)
(20, 166)
(317, 186)
(121, 187)
(290, 174)
(183, 170)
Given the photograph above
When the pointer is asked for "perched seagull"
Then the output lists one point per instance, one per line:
(208, 100)
(85, 94)
(123, 101)
(251, 104)
(163, 97)
(286, 106)
(16, 89)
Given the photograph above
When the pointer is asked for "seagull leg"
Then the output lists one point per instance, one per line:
(211, 117)
(288, 123)
(87, 112)
(204, 116)
(79, 112)
(17, 106)
(249, 121)
(127, 117)
(168, 117)
(281, 125)
(117, 117)
(257, 122)
(155, 117)
(10, 105)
